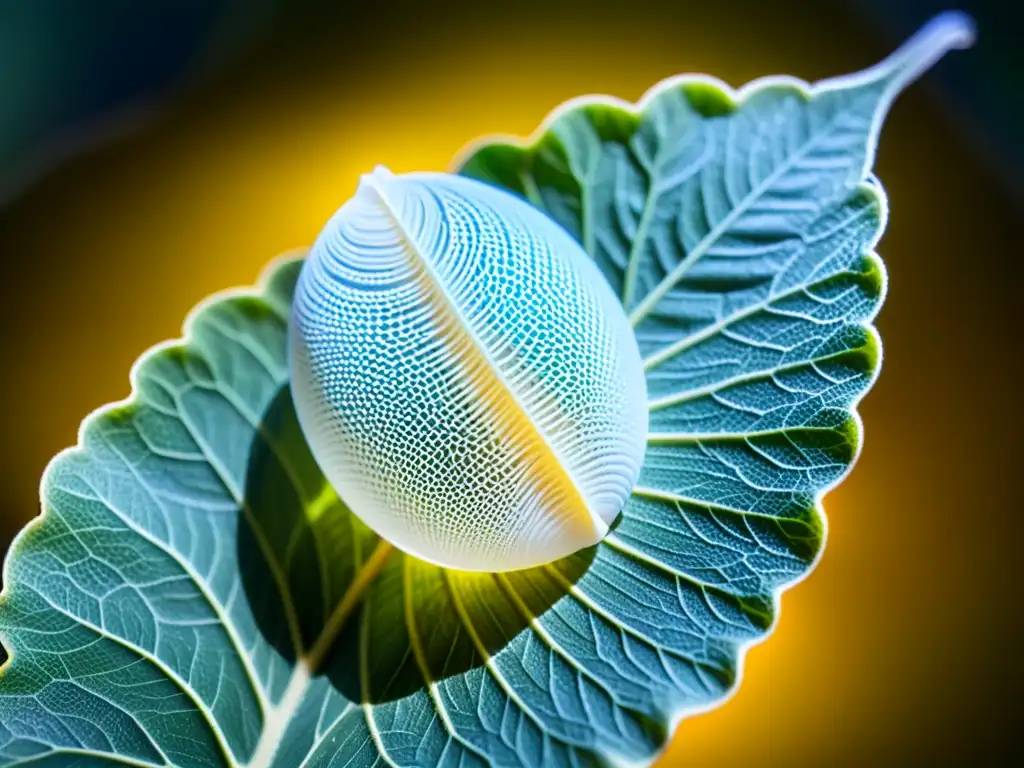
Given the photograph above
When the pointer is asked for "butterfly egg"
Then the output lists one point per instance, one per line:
(465, 377)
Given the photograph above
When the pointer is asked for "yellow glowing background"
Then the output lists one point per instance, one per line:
(896, 644)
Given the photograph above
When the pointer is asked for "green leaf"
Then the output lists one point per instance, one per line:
(194, 593)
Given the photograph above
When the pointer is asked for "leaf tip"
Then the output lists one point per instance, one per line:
(948, 31)
(956, 27)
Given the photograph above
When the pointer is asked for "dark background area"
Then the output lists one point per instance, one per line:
(154, 152)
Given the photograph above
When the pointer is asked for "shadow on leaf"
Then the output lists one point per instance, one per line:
(301, 550)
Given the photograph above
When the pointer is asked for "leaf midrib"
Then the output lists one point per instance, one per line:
(309, 663)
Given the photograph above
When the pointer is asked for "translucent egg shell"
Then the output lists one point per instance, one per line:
(466, 378)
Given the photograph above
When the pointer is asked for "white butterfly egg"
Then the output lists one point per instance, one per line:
(466, 379)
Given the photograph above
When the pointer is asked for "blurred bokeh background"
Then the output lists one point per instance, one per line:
(154, 152)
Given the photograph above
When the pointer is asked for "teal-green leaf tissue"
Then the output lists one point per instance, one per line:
(248, 563)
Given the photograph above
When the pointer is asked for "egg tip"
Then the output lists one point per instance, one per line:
(374, 183)
(380, 173)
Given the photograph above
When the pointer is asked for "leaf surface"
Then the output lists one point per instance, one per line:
(195, 594)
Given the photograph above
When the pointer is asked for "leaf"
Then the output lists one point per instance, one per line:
(194, 594)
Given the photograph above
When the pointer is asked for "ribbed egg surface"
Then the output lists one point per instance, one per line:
(465, 377)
